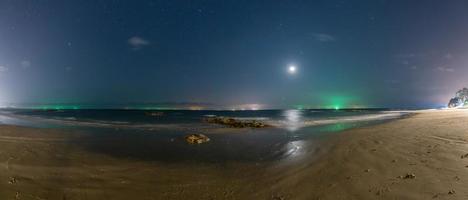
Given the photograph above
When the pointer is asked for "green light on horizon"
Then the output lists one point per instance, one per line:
(299, 107)
(339, 101)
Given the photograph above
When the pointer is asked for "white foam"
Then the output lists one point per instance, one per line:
(334, 120)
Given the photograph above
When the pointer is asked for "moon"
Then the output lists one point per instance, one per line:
(292, 69)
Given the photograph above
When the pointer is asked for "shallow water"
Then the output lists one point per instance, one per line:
(133, 134)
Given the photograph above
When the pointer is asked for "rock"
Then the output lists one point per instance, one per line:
(464, 156)
(409, 176)
(278, 198)
(451, 192)
(367, 170)
(12, 180)
(257, 124)
(196, 138)
(233, 123)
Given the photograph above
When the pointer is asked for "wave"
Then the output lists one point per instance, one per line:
(294, 125)
(369, 117)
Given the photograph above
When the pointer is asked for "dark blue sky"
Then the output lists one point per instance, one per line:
(352, 53)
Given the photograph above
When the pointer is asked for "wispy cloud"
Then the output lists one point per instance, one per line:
(137, 42)
(3, 69)
(448, 56)
(407, 56)
(322, 37)
(445, 69)
(25, 64)
(404, 62)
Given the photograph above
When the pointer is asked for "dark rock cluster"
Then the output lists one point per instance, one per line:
(233, 123)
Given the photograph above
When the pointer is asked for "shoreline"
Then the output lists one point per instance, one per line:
(370, 162)
(415, 157)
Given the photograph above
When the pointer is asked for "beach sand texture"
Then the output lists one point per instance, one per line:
(424, 156)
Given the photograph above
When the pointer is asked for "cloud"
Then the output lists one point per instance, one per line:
(414, 67)
(322, 37)
(445, 69)
(3, 69)
(407, 56)
(448, 56)
(25, 64)
(137, 42)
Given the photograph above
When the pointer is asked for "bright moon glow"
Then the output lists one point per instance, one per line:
(292, 69)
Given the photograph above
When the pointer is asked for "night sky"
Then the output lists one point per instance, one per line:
(347, 53)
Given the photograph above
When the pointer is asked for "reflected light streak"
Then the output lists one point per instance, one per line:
(293, 119)
(294, 149)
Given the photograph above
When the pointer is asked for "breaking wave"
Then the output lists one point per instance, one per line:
(293, 123)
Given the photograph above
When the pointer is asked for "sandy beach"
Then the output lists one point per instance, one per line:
(417, 157)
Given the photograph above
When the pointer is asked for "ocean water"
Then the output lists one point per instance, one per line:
(291, 120)
(136, 134)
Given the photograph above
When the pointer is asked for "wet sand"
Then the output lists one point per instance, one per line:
(419, 157)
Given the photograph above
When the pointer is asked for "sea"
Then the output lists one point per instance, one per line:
(158, 135)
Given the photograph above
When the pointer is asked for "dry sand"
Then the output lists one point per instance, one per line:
(419, 157)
